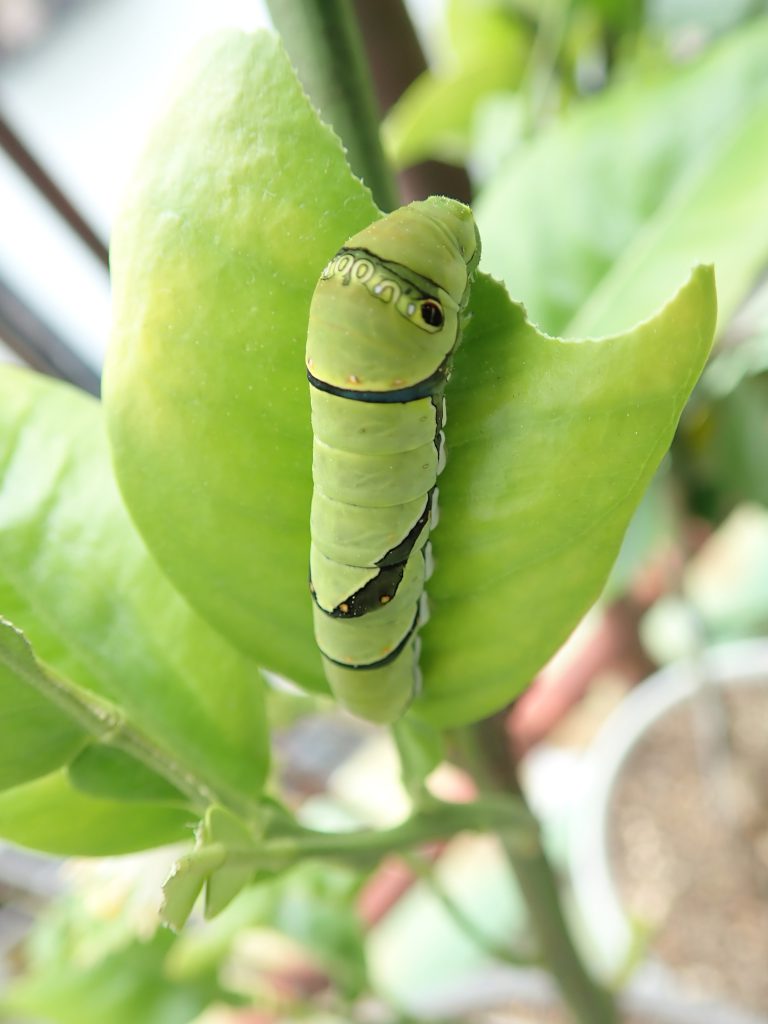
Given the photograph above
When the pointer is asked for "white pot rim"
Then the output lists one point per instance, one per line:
(608, 930)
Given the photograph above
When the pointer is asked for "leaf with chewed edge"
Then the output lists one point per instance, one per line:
(239, 201)
(551, 445)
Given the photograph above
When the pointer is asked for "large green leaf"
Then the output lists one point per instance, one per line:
(240, 200)
(595, 221)
(49, 814)
(37, 735)
(75, 576)
(550, 443)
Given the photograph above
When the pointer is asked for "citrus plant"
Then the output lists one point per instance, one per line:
(153, 548)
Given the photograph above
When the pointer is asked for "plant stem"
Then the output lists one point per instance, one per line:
(436, 820)
(486, 750)
(105, 724)
(323, 41)
(488, 945)
(542, 63)
(396, 60)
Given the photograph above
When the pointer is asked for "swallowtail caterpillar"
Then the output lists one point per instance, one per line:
(385, 319)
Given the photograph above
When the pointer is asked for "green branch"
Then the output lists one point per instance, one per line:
(284, 844)
(485, 749)
(466, 924)
(437, 820)
(106, 724)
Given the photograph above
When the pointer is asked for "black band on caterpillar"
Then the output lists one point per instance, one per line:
(387, 659)
(423, 389)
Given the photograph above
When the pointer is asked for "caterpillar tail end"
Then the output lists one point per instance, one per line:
(379, 695)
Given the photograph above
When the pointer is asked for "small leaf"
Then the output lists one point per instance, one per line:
(49, 814)
(109, 773)
(224, 861)
(314, 904)
(37, 735)
(185, 883)
(76, 577)
(225, 883)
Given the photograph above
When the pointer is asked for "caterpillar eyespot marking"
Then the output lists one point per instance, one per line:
(385, 320)
(431, 313)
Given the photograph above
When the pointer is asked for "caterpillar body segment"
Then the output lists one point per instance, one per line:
(385, 320)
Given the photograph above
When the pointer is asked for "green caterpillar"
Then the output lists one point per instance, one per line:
(385, 319)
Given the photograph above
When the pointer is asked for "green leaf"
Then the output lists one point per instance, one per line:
(185, 883)
(103, 771)
(128, 986)
(550, 443)
(37, 735)
(737, 453)
(435, 114)
(223, 860)
(614, 204)
(225, 883)
(75, 576)
(240, 199)
(50, 815)
(731, 190)
(51, 723)
(315, 904)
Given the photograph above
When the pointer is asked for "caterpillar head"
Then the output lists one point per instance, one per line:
(386, 314)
